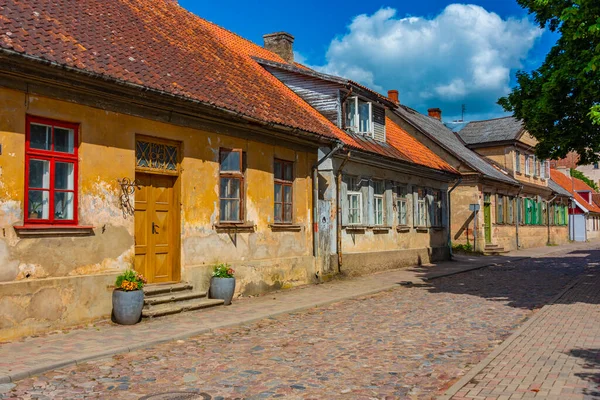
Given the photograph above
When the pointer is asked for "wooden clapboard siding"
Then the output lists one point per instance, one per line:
(379, 123)
(320, 94)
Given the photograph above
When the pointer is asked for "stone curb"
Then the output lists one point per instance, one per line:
(473, 372)
(126, 349)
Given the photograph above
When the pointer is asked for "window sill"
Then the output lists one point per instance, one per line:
(422, 229)
(381, 228)
(235, 227)
(286, 227)
(356, 228)
(403, 228)
(53, 230)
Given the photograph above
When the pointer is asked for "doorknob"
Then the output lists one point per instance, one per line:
(154, 228)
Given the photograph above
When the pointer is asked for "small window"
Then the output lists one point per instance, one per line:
(421, 208)
(378, 192)
(527, 165)
(354, 200)
(51, 172)
(359, 116)
(284, 181)
(510, 216)
(402, 206)
(543, 169)
(518, 161)
(499, 209)
(536, 168)
(231, 190)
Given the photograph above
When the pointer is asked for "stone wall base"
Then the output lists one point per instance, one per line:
(355, 264)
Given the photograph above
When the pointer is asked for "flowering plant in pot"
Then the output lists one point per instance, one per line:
(222, 283)
(128, 297)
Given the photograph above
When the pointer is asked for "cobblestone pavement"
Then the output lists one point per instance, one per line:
(556, 357)
(403, 343)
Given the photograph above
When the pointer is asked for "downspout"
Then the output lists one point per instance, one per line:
(315, 178)
(450, 215)
(519, 213)
(339, 211)
(548, 216)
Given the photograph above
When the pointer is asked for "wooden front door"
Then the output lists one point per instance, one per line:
(487, 216)
(156, 228)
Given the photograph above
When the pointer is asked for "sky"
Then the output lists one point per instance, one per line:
(436, 53)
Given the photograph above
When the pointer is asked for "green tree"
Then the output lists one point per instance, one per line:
(580, 175)
(559, 102)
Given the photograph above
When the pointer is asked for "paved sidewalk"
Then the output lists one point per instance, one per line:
(32, 356)
(555, 355)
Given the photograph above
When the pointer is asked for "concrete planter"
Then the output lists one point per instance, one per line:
(127, 306)
(222, 288)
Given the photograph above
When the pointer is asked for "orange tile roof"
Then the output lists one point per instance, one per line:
(412, 149)
(159, 45)
(572, 187)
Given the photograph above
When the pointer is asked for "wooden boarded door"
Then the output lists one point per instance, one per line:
(487, 216)
(156, 228)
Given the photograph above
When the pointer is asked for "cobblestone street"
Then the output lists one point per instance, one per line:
(409, 342)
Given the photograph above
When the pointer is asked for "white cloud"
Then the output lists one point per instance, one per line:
(463, 55)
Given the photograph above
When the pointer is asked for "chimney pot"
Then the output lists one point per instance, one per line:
(435, 113)
(393, 96)
(280, 43)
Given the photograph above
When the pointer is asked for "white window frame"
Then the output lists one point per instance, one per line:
(422, 209)
(353, 183)
(527, 165)
(518, 161)
(356, 128)
(543, 169)
(536, 169)
(378, 203)
(402, 206)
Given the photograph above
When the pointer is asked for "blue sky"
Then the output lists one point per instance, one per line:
(437, 53)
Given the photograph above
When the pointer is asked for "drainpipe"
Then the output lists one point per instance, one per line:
(315, 177)
(339, 212)
(518, 212)
(450, 215)
(548, 217)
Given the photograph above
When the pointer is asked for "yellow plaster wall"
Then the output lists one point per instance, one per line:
(106, 154)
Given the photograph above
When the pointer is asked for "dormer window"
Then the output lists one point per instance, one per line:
(359, 116)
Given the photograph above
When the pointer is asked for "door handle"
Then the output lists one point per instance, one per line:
(154, 228)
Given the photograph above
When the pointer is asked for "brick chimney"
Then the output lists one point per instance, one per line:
(435, 113)
(282, 44)
(393, 96)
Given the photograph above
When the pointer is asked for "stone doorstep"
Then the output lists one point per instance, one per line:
(180, 306)
(172, 297)
(153, 290)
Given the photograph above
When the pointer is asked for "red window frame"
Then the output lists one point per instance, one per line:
(280, 219)
(53, 157)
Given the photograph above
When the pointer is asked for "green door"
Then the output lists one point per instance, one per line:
(487, 216)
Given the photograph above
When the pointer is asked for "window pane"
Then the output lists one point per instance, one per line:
(351, 113)
(230, 210)
(363, 113)
(278, 170)
(288, 213)
(289, 172)
(278, 212)
(39, 174)
(378, 187)
(230, 188)
(63, 176)
(38, 204)
(287, 194)
(63, 205)
(278, 193)
(230, 161)
(64, 140)
(40, 137)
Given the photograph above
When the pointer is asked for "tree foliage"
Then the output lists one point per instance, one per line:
(583, 177)
(559, 102)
